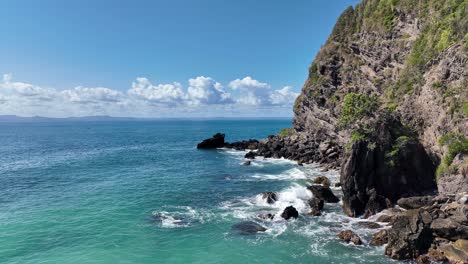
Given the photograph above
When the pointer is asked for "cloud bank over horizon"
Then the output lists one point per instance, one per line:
(201, 97)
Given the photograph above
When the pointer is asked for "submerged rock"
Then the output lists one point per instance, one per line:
(270, 197)
(290, 212)
(266, 216)
(248, 228)
(349, 236)
(246, 163)
(217, 141)
(323, 193)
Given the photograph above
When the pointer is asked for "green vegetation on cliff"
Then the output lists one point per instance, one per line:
(456, 144)
(355, 107)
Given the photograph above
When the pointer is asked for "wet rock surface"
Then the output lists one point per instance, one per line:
(270, 197)
(323, 193)
(349, 236)
(316, 206)
(290, 212)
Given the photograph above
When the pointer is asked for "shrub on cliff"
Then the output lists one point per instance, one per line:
(456, 144)
(355, 107)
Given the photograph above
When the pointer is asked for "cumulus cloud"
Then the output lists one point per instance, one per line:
(256, 93)
(86, 95)
(248, 83)
(170, 94)
(205, 90)
(203, 96)
(284, 96)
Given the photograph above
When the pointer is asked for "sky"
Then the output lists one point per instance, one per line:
(159, 58)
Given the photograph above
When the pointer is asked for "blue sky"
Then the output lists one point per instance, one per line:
(141, 58)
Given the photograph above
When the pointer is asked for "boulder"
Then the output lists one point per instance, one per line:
(217, 141)
(290, 212)
(248, 228)
(410, 235)
(388, 165)
(380, 238)
(323, 193)
(415, 202)
(316, 206)
(456, 252)
(250, 155)
(270, 197)
(349, 236)
(451, 228)
(322, 180)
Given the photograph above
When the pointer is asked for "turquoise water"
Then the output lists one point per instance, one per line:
(140, 192)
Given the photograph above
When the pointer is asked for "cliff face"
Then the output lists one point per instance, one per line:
(411, 57)
(405, 52)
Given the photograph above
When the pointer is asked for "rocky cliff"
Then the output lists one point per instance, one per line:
(407, 58)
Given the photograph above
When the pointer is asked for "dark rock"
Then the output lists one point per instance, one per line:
(266, 216)
(217, 141)
(415, 202)
(316, 206)
(243, 145)
(323, 193)
(376, 203)
(290, 212)
(450, 228)
(410, 235)
(246, 163)
(408, 171)
(248, 228)
(368, 225)
(349, 236)
(322, 180)
(379, 238)
(270, 197)
(250, 155)
(337, 184)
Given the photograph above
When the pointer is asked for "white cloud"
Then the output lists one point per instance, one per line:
(248, 83)
(86, 95)
(203, 96)
(284, 96)
(169, 94)
(205, 90)
(257, 93)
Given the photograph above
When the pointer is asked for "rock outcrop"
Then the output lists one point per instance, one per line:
(270, 197)
(387, 166)
(290, 212)
(417, 231)
(217, 141)
(316, 206)
(323, 193)
(349, 236)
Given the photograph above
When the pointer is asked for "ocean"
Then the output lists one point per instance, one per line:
(140, 192)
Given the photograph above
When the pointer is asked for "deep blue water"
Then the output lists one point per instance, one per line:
(140, 192)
